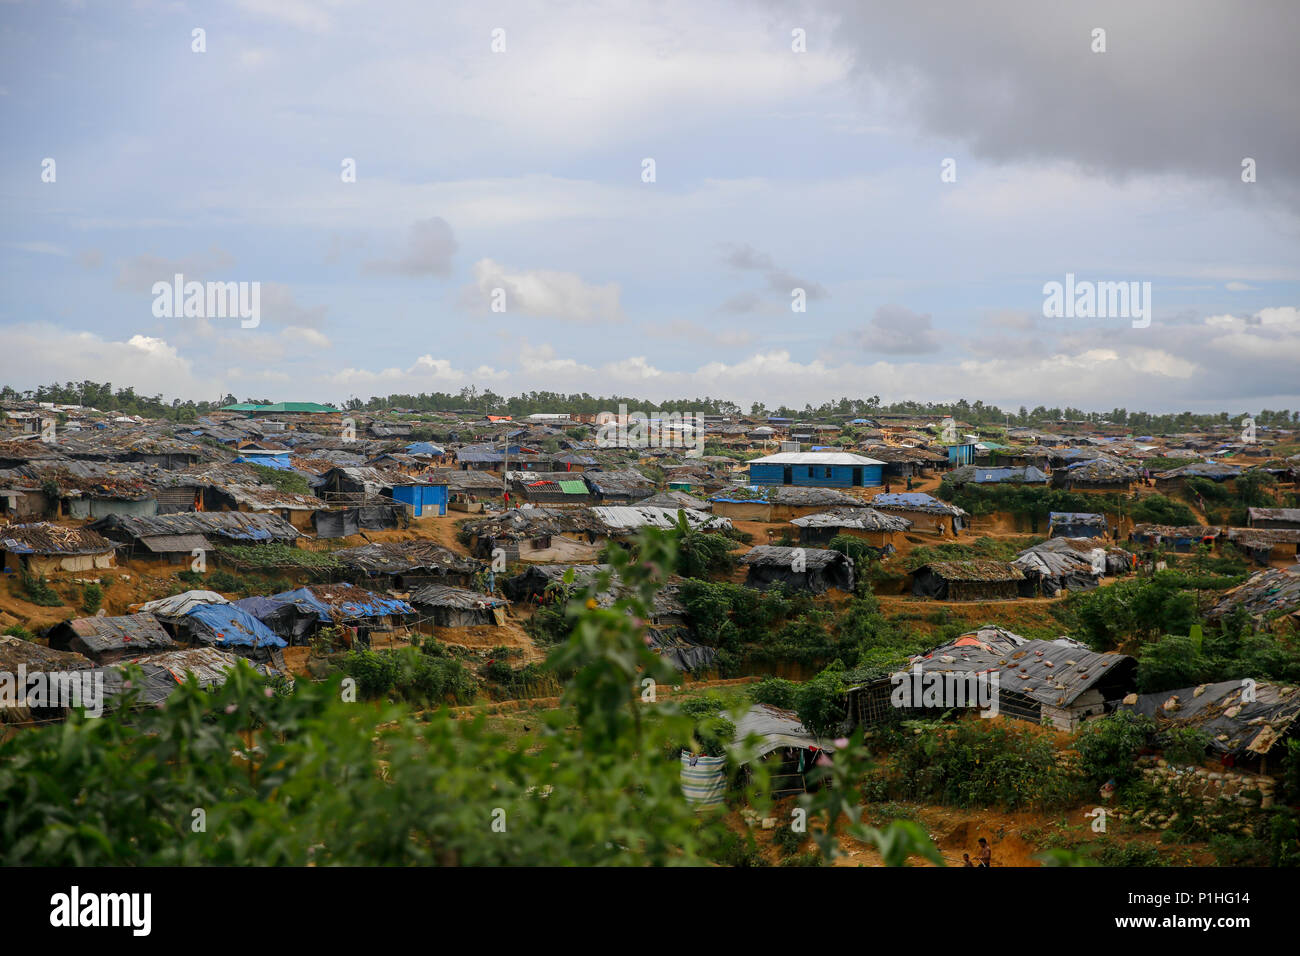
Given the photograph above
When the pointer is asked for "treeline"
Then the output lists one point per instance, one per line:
(488, 402)
(125, 401)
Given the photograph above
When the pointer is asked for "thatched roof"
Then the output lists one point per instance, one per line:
(989, 571)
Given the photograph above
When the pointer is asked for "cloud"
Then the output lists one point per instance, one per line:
(1018, 80)
(896, 330)
(139, 273)
(40, 248)
(543, 292)
(1011, 319)
(426, 373)
(429, 250)
(1239, 287)
(783, 282)
(311, 16)
(696, 335)
(36, 354)
(302, 336)
(280, 307)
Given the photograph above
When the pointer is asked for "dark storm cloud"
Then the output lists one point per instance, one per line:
(1185, 86)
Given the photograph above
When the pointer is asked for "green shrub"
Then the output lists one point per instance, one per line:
(775, 691)
(820, 702)
(982, 763)
(92, 597)
(1184, 746)
(39, 592)
(1108, 746)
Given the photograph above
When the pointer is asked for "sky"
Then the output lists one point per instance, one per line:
(919, 171)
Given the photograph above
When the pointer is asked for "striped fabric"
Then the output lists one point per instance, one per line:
(704, 784)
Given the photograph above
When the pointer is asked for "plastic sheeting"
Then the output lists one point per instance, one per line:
(704, 780)
(226, 625)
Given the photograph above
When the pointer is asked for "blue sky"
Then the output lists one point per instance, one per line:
(775, 169)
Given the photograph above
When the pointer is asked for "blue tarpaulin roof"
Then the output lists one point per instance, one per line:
(269, 461)
(260, 606)
(376, 605)
(232, 626)
(423, 448)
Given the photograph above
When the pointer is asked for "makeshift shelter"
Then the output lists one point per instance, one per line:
(681, 653)
(980, 475)
(675, 500)
(171, 609)
(1266, 544)
(878, 528)
(17, 657)
(1176, 478)
(295, 623)
(1048, 571)
(356, 611)
(161, 674)
(1182, 539)
(618, 487)
(408, 564)
(904, 461)
(176, 536)
(108, 639)
(42, 548)
(561, 489)
(804, 569)
(1060, 682)
(1243, 719)
(779, 503)
(620, 521)
(538, 534)
(928, 514)
(967, 581)
(1098, 474)
(458, 607)
(343, 522)
(1065, 524)
(1265, 596)
(532, 583)
(229, 627)
(1273, 517)
(777, 737)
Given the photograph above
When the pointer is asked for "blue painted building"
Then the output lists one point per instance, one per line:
(817, 470)
(963, 454)
(422, 498)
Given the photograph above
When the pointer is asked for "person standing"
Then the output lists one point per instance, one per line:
(985, 854)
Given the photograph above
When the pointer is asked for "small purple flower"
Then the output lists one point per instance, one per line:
(269, 692)
(841, 743)
(231, 708)
(823, 760)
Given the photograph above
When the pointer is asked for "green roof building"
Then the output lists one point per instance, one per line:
(302, 408)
